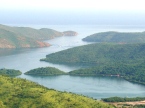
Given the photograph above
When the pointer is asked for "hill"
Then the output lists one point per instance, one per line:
(9, 39)
(20, 93)
(38, 34)
(10, 72)
(25, 37)
(45, 71)
(99, 53)
(118, 37)
(122, 60)
(130, 72)
(70, 33)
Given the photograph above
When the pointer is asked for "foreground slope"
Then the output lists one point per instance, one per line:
(119, 37)
(20, 93)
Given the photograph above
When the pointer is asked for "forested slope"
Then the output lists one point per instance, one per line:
(10, 72)
(25, 37)
(118, 37)
(20, 93)
(100, 53)
(45, 71)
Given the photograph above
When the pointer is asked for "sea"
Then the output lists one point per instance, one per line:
(96, 87)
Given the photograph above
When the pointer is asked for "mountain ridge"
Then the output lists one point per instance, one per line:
(27, 37)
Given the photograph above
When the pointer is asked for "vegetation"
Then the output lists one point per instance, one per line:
(11, 40)
(70, 33)
(10, 72)
(100, 53)
(45, 71)
(32, 95)
(38, 34)
(24, 37)
(123, 60)
(119, 37)
(119, 99)
(133, 73)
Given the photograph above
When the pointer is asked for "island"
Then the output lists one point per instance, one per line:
(70, 33)
(45, 71)
(108, 59)
(117, 37)
(26, 37)
(10, 72)
(21, 93)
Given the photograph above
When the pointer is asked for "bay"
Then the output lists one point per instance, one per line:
(96, 87)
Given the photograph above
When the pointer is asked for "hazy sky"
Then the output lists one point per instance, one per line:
(72, 11)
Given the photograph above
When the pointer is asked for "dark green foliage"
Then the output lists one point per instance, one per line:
(45, 71)
(134, 37)
(123, 60)
(20, 93)
(119, 99)
(130, 72)
(10, 72)
(100, 53)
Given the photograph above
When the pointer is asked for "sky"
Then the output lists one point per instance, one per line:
(106, 12)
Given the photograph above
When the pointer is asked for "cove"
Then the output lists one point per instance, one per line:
(97, 87)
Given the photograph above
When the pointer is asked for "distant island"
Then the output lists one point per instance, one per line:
(117, 37)
(70, 33)
(45, 71)
(10, 72)
(26, 37)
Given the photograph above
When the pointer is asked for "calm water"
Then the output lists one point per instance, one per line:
(96, 87)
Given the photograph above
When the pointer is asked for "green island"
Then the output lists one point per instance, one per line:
(45, 71)
(32, 95)
(122, 60)
(117, 37)
(10, 72)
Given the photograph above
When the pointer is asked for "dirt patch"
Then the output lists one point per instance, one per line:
(127, 104)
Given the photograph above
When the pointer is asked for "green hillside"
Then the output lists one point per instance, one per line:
(119, 37)
(25, 37)
(10, 72)
(100, 53)
(20, 93)
(45, 71)
(9, 39)
(38, 34)
(122, 60)
(130, 72)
